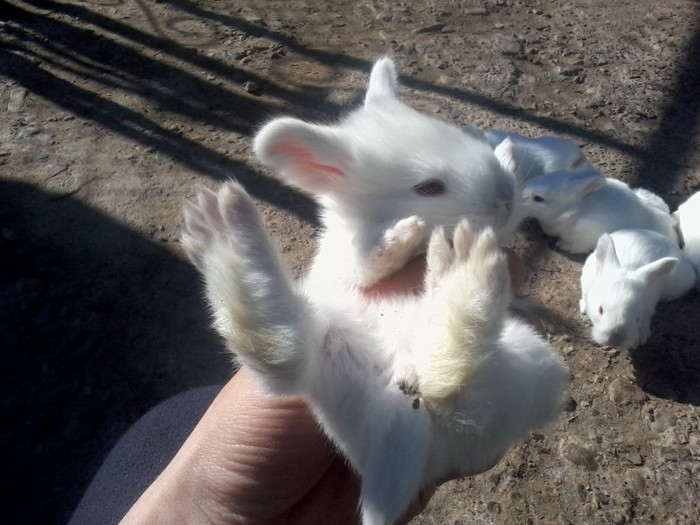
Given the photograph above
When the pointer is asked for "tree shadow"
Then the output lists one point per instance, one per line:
(98, 324)
(72, 49)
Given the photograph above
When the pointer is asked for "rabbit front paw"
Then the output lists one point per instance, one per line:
(468, 285)
(398, 244)
(256, 307)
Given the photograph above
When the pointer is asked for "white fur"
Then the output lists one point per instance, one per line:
(411, 389)
(536, 156)
(579, 207)
(623, 279)
(364, 170)
(688, 216)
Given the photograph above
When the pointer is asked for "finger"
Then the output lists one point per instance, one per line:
(263, 453)
(336, 496)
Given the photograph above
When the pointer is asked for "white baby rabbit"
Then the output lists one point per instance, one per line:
(385, 176)
(536, 156)
(688, 216)
(579, 207)
(623, 279)
(652, 199)
(412, 389)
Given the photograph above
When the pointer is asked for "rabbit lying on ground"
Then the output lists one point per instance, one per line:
(536, 156)
(623, 279)
(579, 207)
(411, 389)
(385, 176)
(688, 216)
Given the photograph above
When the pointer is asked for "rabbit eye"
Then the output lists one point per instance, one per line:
(537, 198)
(600, 310)
(430, 188)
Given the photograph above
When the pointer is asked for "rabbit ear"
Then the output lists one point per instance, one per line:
(652, 272)
(605, 254)
(505, 153)
(382, 82)
(585, 182)
(311, 157)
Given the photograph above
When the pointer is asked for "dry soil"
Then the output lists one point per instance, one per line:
(112, 111)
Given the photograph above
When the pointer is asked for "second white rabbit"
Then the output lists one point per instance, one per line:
(579, 207)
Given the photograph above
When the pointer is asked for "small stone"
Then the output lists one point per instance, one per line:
(570, 405)
(572, 70)
(635, 458)
(432, 28)
(237, 53)
(252, 88)
(599, 499)
(476, 11)
(493, 507)
(17, 97)
(624, 392)
(509, 45)
(635, 478)
(580, 455)
(29, 131)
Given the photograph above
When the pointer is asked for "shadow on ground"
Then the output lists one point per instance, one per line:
(99, 323)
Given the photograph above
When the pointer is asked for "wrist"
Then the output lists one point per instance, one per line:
(180, 494)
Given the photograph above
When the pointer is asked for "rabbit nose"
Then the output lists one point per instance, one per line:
(616, 337)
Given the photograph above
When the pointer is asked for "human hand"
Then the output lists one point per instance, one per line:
(257, 458)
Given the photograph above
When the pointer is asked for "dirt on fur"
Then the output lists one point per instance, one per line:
(112, 112)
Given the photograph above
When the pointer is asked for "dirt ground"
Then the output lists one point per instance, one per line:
(112, 111)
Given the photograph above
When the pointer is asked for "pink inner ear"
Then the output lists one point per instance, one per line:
(304, 159)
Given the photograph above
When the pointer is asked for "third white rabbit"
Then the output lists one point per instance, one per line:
(688, 216)
(629, 272)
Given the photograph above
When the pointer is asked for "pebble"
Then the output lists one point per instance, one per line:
(29, 131)
(476, 11)
(663, 420)
(432, 28)
(238, 53)
(570, 405)
(509, 45)
(624, 392)
(580, 455)
(635, 478)
(17, 97)
(252, 88)
(493, 507)
(635, 458)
